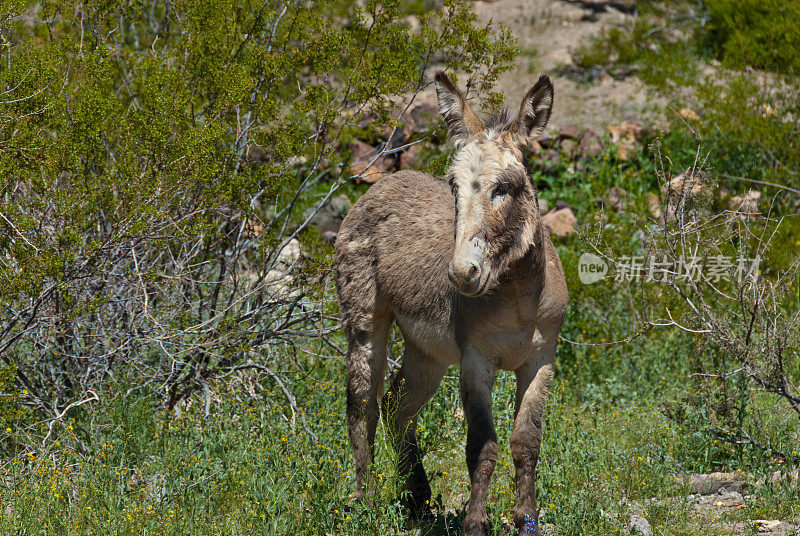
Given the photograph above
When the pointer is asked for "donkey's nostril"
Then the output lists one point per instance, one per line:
(471, 271)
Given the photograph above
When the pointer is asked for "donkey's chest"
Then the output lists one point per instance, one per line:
(508, 334)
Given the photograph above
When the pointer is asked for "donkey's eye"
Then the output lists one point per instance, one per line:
(499, 191)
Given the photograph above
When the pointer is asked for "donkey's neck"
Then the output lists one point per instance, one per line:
(532, 264)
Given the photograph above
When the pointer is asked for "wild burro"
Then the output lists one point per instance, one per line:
(465, 268)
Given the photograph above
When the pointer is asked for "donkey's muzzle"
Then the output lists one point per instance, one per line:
(466, 276)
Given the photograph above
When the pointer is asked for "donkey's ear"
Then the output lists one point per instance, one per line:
(534, 111)
(461, 120)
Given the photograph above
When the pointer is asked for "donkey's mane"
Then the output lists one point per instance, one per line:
(499, 121)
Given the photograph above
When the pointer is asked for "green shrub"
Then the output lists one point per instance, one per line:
(758, 33)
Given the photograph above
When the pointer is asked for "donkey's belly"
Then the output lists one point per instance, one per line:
(435, 340)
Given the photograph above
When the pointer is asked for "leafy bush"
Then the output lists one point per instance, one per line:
(157, 160)
(756, 33)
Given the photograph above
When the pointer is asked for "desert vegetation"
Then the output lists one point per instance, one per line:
(173, 178)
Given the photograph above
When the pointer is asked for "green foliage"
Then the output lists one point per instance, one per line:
(156, 156)
(756, 33)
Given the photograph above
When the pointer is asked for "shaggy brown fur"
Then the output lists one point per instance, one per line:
(466, 270)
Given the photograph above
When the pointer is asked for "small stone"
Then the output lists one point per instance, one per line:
(561, 223)
(535, 148)
(570, 131)
(767, 525)
(639, 525)
(653, 205)
(616, 198)
(686, 183)
(290, 253)
(590, 145)
(568, 146)
(544, 206)
(632, 131)
(561, 204)
(363, 166)
(409, 157)
(689, 114)
(746, 203)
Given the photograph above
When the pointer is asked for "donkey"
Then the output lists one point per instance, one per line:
(465, 268)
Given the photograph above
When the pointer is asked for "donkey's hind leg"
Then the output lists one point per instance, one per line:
(413, 385)
(366, 366)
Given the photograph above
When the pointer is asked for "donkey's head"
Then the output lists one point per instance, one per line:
(496, 212)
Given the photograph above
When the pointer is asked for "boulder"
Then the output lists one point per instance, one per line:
(544, 206)
(421, 118)
(561, 223)
(568, 145)
(653, 205)
(570, 131)
(686, 183)
(714, 483)
(290, 253)
(746, 203)
(626, 136)
(689, 114)
(408, 158)
(616, 198)
(639, 525)
(768, 525)
(362, 156)
(590, 145)
(330, 216)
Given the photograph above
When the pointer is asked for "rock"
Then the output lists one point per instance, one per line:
(767, 525)
(628, 130)
(408, 158)
(551, 155)
(639, 525)
(422, 117)
(290, 253)
(535, 148)
(256, 154)
(561, 204)
(544, 206)
(746, 203)
(547, 141)
(686, 183)
(561, 223)
(330, 216)
(625, 136)
(767, 110)
(570, 131)
(689, 114)
(625, 150)
(568, 146)
(653, 205)
(711, 483)
(397, 138)
(361, 156)
(615, 198)
(590, 145)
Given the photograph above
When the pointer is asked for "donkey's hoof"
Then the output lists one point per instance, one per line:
(528, 526)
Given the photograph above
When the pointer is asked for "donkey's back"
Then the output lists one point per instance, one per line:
(392, 254)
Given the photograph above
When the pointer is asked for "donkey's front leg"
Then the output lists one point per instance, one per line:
(533, 383)
(477, 378)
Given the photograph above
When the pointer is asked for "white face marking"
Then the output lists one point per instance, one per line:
(476, 169)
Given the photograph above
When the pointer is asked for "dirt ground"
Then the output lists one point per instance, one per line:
(548, 31)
